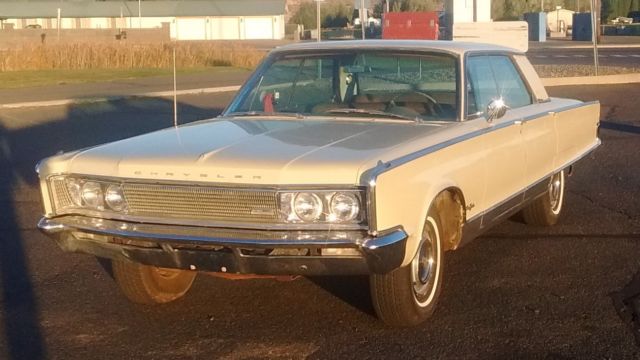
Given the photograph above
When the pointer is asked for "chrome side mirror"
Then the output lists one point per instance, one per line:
(495, 110)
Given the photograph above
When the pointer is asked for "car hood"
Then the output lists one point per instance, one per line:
(262, 151)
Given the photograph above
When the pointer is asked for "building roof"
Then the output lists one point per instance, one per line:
(161, 8)
(455, 47)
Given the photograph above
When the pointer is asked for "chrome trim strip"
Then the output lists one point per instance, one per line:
(244, 186)
(536, 190)
(371, 176)
(219, 236)
(503, 209)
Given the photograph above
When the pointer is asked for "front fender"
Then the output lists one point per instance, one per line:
(405, 200)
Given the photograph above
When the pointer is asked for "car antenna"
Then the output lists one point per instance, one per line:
(175, 92)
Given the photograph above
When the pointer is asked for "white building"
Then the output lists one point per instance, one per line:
(188, 20)
(559, 20)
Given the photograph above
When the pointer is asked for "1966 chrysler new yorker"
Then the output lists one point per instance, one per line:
(335, 158)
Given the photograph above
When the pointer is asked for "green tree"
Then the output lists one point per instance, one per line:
(332, 14)
(306, 15)
(416, 5)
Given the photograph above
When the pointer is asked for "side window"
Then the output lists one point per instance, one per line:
(510, 84)
(491, 77)
(481, 85)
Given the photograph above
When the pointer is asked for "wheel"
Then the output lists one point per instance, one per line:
(545, 210)
(145, 284)
(408, 295)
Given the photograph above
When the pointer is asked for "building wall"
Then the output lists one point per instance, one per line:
(181, 28)
(562, 14)
(463, 11)
(228, 28)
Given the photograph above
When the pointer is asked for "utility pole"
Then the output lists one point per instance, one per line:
(318, 20)
(594, 36)
(58, 22)
(362, 16)
(139, 14)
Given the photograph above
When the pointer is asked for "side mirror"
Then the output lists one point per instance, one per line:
(496, 109)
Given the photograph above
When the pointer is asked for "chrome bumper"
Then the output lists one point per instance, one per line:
(230, 250)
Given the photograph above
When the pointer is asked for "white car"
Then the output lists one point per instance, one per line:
(335, 158)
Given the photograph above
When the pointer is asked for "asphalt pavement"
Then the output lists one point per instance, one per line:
(125, 87)
(621, 57)
(516, 292)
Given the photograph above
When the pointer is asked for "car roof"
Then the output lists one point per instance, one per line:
(455, 47)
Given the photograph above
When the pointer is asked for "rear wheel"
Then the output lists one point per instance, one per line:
(545, 210)
(145, 284)
(408, 295)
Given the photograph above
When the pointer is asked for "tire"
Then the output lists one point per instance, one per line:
(545, 210)
(143, 284)
(408, 295)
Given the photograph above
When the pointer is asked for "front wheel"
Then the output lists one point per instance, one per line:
(545, 210)
(145, 284)
(408, 295)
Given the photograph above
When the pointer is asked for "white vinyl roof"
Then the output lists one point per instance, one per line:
(454, 47)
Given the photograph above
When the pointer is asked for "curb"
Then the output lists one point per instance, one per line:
(593, 80)
(62, 102)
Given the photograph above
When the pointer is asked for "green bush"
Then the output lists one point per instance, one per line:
(333, 14)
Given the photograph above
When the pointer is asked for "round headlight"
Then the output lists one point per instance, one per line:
(75, 191)
(344, 207)
(92, 195)
(115, 198)
(307, 206)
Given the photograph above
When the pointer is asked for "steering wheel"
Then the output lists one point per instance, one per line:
(434, 107)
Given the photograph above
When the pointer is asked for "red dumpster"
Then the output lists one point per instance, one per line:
(410, 25)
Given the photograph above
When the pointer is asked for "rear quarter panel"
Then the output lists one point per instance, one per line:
(577, 132)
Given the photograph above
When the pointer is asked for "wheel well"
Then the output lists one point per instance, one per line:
(451, 207)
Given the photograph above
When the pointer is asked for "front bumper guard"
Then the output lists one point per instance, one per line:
(228, 250)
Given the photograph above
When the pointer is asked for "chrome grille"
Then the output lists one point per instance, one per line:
(201, 203)
(61, 196)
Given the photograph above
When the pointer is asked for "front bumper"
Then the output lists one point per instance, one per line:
(231, 250)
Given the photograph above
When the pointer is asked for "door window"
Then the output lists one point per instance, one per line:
(491, 77)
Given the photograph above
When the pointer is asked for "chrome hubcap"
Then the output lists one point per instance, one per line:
(424, 267)
(555, 191)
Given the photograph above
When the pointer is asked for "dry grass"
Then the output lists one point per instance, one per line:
(125, 56)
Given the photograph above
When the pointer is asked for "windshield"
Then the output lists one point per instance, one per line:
(355, 84)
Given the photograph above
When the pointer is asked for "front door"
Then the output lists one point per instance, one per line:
(488, 79)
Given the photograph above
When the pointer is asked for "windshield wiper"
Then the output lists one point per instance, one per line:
(265, 113)
(371, 112)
